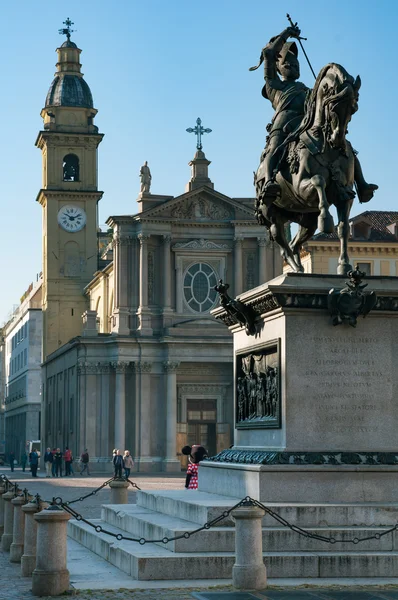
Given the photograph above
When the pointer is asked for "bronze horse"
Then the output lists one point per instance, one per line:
(316, 170)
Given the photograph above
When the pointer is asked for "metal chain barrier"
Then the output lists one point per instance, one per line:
(186, 535)
(316, 536)
(59, 501)
(248, 501)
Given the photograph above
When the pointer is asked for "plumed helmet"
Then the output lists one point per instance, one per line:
(287, 48)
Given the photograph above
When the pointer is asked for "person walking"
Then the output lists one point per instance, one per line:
(24, 460)
(58, 462)
(85, 459)
(128, 463)
(48, 461)
(118, 464)
(68, 461)
(11, 459)
(53, 468)
(34, 462)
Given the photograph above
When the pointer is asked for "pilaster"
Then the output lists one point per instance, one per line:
(238, 275)
(121, 314)
(171, 463)
(144, 433)
(121, 368)
(144, 326)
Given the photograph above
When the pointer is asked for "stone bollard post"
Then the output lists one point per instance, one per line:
(28, 559)
(2, 491)
(249, 572)
(16, 548)
(6, 538)
(119, 489)
(51, 577)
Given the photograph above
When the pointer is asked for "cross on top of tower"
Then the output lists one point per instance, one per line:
(198, 130)
(66, 30)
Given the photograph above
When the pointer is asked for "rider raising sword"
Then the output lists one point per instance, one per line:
(288, 96)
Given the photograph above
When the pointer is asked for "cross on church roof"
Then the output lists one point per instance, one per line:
(66, 30)
(198, 130)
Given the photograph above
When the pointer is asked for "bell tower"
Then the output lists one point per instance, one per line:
(69, 196)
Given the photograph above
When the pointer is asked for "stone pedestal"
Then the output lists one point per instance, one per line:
(6, 538)
(249, 572)
(28, 559)
(329, 433)
(51, 577)
(2, 491)
(16, 548)
(119, 489)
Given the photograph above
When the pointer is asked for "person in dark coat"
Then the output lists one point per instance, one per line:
(48, 462)
(34, 462)
(58, 462)
(118, 464)
(24, 460)
(11, 458)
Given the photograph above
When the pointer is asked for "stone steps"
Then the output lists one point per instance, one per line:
(200, 507)
(156, 563)
(142, 522)
(209, 554)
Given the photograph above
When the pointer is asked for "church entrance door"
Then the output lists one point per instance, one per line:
(201, 424)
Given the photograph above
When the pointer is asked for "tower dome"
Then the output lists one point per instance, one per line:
(68, 87)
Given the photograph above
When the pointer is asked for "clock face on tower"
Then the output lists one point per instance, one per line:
(71, 218)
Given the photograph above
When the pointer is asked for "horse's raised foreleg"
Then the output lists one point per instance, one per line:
(304, 233)
(343, 231)
(325, 219)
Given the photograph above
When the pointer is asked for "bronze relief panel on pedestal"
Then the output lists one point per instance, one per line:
(258, 387)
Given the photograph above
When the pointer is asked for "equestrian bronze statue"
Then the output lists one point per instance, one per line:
(307, 163)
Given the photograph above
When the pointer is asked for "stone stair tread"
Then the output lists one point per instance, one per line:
(153, 517)
(197, 497)
(154, 550)
(176, 524)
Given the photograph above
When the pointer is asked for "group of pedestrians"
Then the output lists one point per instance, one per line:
(33, 461)
(58, 463)
(121, 463)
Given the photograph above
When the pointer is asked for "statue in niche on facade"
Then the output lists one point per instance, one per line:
(257, 391)
(307, 163)
(146, 178)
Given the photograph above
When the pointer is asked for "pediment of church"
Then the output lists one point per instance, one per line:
(200, 205)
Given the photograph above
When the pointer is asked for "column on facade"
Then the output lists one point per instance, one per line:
(143, 311)
(121, 368)
(166, 272)
(143, 373)
(81, 409)
(122, 245)
(170, 368)
(238, 272)
(143, 239)
(103, 429)
(91, 408)
(264, 274)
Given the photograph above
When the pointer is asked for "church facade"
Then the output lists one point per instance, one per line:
(132, 357)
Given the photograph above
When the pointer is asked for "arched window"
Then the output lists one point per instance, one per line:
(71, 167)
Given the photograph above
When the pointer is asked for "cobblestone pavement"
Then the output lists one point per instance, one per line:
(15, 587)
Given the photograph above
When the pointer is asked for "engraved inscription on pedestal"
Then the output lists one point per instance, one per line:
(257, 386)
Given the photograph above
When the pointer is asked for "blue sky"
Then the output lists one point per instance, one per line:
(154, 67)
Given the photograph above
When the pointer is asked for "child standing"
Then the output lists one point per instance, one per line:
(196, 454)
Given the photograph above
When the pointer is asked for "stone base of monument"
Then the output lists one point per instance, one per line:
(315, 441)
(316, 416)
